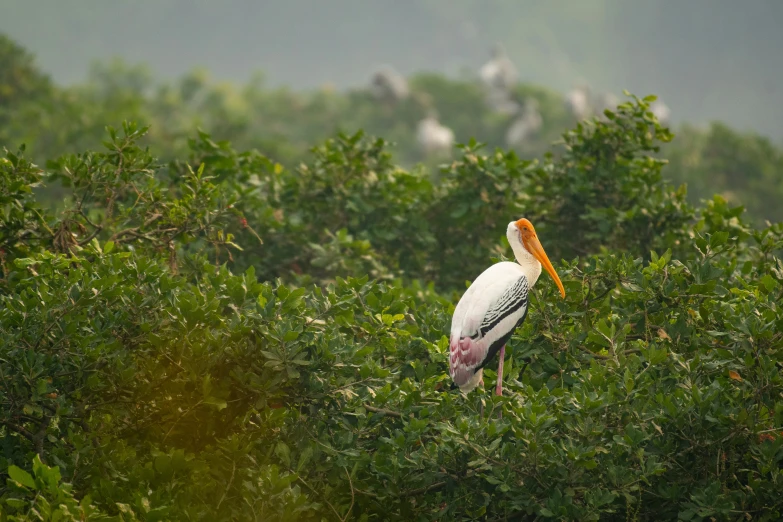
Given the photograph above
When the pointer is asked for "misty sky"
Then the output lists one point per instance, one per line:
(708, 59)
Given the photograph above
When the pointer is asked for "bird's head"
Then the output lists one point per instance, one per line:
(522, 235)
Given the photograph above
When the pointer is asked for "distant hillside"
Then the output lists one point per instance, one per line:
(709, 59)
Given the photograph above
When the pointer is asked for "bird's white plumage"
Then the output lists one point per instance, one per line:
(577, 102)
(434, 138)
(527, 123)
(481, 295)
(469, 344)
(661, 111)
(606, 101)
(388, 84)
(499, 77)
(499, 72)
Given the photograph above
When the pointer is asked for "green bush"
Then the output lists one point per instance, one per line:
(222, 337)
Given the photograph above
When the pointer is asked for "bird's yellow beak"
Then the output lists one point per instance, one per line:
(533, 245)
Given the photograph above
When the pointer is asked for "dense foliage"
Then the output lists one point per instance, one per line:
(219, 336)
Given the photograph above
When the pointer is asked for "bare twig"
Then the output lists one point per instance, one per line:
(152, 218)
(409, 493)
(421, 490)
(596, 355)
(353, 496)
(382, 410)
(89, 238)
(230, 482)
(88, 220)
(38, 437)
(425, 489)
(311, 488)
(180, 418)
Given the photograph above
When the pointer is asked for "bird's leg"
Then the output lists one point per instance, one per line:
(481, 399)
(499, 387)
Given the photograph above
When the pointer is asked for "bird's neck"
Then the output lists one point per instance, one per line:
(530, 265)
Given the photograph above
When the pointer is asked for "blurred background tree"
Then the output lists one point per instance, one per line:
(744, 167)
(709, 59)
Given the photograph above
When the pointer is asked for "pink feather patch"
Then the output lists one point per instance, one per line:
(464, 357)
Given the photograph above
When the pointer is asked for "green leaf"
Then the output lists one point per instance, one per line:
(217, 403)
(283, 453)
(16, 503)
(628, 380)
(163, 464)
(718, 239)
(21, 477)
(769, 282)
(271, 355)
(304, 458)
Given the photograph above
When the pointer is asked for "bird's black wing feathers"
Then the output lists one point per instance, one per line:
(511, 301)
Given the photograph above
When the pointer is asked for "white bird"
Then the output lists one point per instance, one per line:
(525, 125)
(577, 102)
(494, 306)
(606, 101)
(499, 77)
(661, 111)
(388, 85)
(499, 72)
(434, 139)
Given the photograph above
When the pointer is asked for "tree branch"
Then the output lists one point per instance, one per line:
(20, 430)
(382, 410)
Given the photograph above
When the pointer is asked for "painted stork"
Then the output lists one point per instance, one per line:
(499, 77)
(577, 102)
(661, 111)
(434, 139)
(494, 306)
(389, 85)
(527, 123)
(499, 73)
(606, 101)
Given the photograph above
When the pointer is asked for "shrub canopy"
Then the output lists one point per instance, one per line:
(221, 337)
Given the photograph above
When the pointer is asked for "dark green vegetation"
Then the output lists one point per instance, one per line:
(223, 336)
